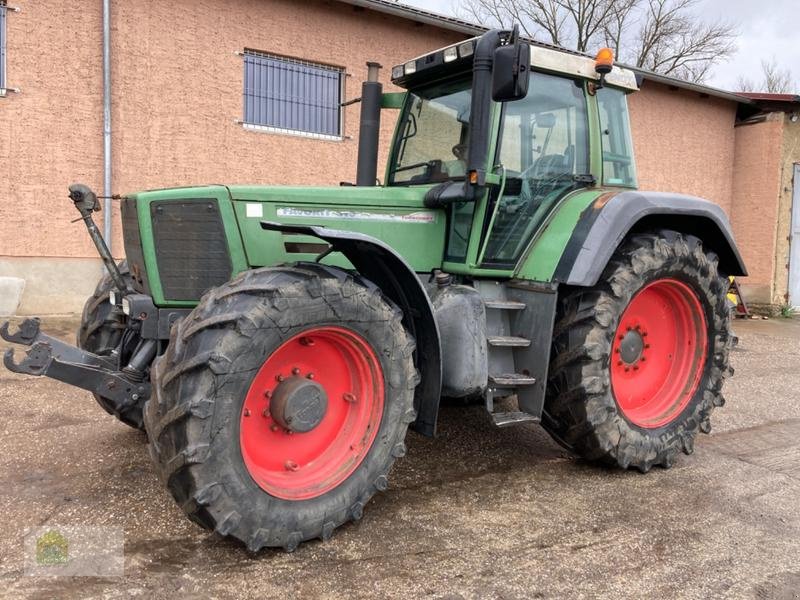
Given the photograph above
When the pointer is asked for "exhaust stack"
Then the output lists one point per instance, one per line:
(369, 127)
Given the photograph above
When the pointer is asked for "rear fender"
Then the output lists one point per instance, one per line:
(605, 223)
(389, 271)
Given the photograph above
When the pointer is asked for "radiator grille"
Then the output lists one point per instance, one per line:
(191, 248)
(133, 246)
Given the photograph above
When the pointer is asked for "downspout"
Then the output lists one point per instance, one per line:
(107, 123)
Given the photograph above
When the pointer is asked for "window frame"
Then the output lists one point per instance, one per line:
(342, 73)
(399, 140)
(624, 125)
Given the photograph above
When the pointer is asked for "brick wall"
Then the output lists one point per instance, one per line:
(177, 86)
(757, 173)
(684, 142)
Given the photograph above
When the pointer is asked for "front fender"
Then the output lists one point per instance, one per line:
(379, 263)
(604, 224)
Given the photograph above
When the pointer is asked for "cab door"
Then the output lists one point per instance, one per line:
(543, 154)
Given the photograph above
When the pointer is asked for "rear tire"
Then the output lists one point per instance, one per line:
(211, 422)
(101, 330)
(619, 396)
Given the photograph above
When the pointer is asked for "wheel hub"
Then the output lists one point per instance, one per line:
(298, 404)
(631, 346)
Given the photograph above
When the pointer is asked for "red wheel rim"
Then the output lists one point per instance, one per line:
(658, 354)
(297, 465)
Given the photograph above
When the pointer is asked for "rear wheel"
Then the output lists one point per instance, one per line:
(101, 332)
(281, 403)
(638, 362)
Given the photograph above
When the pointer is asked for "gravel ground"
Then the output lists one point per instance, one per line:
(478, 512)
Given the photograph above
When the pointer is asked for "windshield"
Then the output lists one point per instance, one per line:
(431, 145)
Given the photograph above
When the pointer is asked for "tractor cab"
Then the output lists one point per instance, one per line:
(565, 130)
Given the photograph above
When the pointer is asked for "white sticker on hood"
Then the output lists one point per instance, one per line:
(254, 210)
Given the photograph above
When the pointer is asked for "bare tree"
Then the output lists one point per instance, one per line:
(665, 36)
(774, 80)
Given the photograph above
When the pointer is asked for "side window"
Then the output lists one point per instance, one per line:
(545, 134)
(284, 95)
(618, 165)
(544, 144)
(3, 10)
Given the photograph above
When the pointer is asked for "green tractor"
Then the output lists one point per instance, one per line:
(276, 343)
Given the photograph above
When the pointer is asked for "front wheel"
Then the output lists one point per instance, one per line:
(638, 362)
(281, 403)
(103, 332)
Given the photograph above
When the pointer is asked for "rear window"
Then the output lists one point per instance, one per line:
(618, 164)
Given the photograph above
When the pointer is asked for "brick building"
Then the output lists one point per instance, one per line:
(182, 113)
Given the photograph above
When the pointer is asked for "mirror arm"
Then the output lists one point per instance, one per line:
(480, 115)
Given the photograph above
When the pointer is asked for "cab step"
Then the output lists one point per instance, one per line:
(504, 419)
(504, 304)
(508, 341)
(511, 380)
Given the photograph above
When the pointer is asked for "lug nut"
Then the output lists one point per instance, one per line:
(291, 465)
(643, 359)
(619, 364)
(274, 427)
(266, 413)
(246, 412)
(310, 376)
(268, 394)
(295, 371)
(279, 378)
(349, 398)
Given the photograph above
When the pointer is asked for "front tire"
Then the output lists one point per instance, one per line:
(638, 361)
(281, 403)
(101, 332)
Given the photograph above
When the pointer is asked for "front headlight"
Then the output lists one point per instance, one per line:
(126, 306)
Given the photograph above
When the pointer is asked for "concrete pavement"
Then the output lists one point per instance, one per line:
(476, 513)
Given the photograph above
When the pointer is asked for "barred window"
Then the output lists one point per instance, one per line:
(285, 95)
(3, 10)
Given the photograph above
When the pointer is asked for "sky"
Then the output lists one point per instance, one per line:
(766, 29)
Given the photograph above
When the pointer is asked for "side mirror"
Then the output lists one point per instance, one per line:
(511, 72)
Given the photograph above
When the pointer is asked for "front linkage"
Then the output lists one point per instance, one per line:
(119, 378)
(53, 358)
